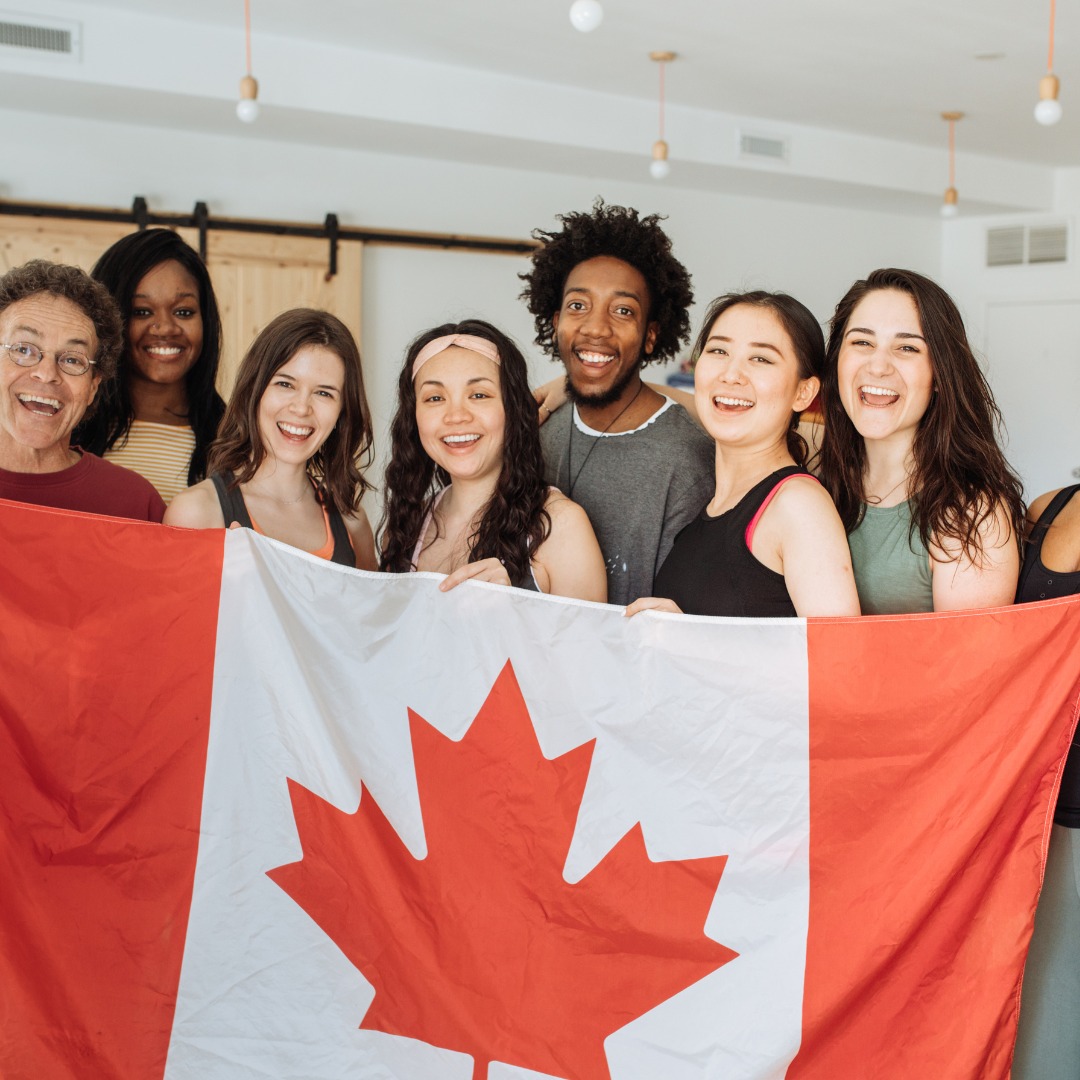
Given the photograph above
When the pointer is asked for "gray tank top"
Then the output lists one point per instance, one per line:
(892, 568)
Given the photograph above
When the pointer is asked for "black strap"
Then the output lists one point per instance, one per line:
(232, 502)
(1046, 518)
(233, 509)
(343, 549)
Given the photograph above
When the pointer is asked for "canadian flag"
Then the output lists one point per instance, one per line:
(267, 817)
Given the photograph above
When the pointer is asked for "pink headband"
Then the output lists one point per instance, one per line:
(462, 341)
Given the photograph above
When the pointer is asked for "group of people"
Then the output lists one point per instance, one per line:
(722, 503)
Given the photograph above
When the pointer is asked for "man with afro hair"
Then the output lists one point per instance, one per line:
(609, 297)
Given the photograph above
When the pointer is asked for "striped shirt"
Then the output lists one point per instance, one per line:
(160, 452)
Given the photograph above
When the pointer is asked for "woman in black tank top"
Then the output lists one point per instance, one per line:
(1048, 1041)
(769, 543)
(287, 459)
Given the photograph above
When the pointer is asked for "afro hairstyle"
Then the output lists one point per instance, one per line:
(619, 233)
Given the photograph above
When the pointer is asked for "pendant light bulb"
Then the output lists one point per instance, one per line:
(1048, 110)
(950, 204)
(586, 15)
(659, 167)
(247, 108)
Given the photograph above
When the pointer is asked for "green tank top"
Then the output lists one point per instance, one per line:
(892, 568)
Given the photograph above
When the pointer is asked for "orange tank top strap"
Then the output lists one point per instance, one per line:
(326, 551)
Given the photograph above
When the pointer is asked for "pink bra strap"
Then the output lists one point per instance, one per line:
(765, 504)
(424, 528)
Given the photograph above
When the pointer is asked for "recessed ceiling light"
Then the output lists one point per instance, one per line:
(990, 56)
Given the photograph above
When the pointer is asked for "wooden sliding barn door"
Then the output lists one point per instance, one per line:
(255, 276)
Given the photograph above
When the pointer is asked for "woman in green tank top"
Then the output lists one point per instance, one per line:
(910, 452)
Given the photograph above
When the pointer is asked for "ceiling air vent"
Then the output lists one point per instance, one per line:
(762, 147)
(34, 34)
(1020, 244)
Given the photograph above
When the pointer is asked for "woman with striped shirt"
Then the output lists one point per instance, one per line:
(160, 413)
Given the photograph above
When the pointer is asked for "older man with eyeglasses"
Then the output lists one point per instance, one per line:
(60, 338)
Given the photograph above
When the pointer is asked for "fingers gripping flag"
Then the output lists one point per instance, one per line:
(267, 817)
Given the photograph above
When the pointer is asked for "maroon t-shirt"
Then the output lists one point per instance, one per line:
(92, 485)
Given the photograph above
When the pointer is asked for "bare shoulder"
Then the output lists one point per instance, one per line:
(560, 506)
(803, 495)
(1038, 507)
(994, 536)
(196, 508)
(363, 539)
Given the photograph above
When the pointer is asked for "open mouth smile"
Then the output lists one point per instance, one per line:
(593, 359)
(731, 404)
(878, 397)
(294, 432)
(42, 406)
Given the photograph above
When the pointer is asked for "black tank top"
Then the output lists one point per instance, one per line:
(233, 509)
(710, 570)
(1038, 582)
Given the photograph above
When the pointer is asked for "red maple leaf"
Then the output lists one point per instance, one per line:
(482, 947)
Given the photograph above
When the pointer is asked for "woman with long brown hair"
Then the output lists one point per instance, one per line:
(910, 452)
(296, 434)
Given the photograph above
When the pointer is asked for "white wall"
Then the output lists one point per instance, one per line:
(727, 242)
(1023, 322)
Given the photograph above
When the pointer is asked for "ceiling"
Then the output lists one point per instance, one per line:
(886, 69)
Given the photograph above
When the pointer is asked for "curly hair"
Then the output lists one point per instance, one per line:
(337, 466)
(120, 269)
(76, 286)
(619, 233)
(800, 325)
(514, 523)
(960, 476)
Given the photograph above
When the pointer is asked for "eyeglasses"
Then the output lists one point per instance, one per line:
(26, 354)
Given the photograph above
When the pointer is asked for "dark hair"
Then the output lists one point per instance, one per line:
(960, 476)
(617, 232)
(120, 269)
(514, 523)
(800, 325)
(76, 286)
(337, 465)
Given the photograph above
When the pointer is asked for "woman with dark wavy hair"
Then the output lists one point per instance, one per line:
(295, 437)
(160, 412)
(910, 452)
(465, 491)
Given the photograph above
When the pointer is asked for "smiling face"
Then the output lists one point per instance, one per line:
(40, 405)
(460, 415)
(602, 330)
(302, 403)
(165, 330)
(747, 381)
(884, 372)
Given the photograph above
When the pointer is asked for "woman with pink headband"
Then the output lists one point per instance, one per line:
(465, 491)
(289, 453)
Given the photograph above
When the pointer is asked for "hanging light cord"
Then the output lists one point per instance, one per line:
(1050, 57)
(662, 66)
(247, 33)
(952, 153)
